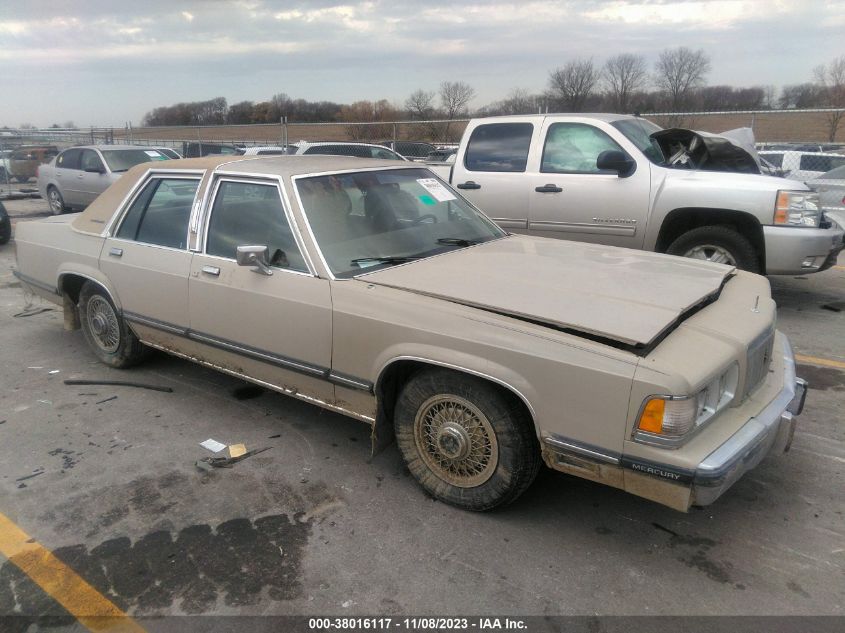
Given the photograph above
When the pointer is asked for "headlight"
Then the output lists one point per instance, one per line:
(797, 208)
(671, 420)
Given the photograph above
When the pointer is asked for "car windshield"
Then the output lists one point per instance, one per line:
(367, 220)
(123, 159)
(639, 132)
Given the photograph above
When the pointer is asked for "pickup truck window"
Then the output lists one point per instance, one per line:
(639, 132)
(573, 148)
(252, 214)
(499, 147)
(159, 215)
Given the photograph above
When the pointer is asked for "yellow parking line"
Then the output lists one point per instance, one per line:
(824, 362)
(91, 608)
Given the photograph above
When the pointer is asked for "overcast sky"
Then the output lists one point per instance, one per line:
(105, 62)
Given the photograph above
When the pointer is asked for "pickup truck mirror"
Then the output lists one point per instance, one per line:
(258, 256)
(614, 160)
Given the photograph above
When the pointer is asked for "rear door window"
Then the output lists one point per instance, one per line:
(69, 159)
(499, 147)
(160, 213)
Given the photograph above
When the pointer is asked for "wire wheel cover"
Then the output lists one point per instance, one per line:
(456, 441)
(102, 322)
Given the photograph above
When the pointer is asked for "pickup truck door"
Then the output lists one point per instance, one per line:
(276, 328)
(490, 171)
(147, 260)
(571, 198)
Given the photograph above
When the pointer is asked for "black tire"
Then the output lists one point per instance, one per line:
(5, 229)
(715, 243)
(107, 334)
(55, 200)
(505, 449)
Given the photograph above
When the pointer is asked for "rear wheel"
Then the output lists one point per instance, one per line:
(719, 244)
(464, 440)
(57, 203)
(106, 332)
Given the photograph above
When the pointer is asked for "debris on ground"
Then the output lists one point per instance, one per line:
(213, 445)
(106, 400)
(226, 462)
(236, 450)
(120, 383)
(32, 312)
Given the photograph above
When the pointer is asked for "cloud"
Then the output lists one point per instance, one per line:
(150, 53)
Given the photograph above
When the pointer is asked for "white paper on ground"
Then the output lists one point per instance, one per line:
(213, 445)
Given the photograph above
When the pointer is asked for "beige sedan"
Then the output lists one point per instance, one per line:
(373, 289)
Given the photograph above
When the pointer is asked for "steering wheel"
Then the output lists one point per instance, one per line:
(428, 218)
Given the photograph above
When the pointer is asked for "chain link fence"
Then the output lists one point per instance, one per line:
(786, 137)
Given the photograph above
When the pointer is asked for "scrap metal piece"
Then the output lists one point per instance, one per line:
(120, 383)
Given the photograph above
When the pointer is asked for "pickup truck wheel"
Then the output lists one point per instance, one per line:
(107, 333)
(464, 440)
(720, 244)
(57, 203)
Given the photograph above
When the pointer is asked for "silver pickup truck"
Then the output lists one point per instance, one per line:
(603, 178)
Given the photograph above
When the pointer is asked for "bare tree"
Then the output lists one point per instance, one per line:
(624, 75)
(832, 80)
(420, 105)
(573, 84)
(454, 99)
(678, 72)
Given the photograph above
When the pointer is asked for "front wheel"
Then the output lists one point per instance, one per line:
(719, 244)
(464, 440)
(108, 335)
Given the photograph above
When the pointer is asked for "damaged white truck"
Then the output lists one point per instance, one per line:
(621, 180)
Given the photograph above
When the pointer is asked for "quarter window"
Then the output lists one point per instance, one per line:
(499, 147)
(252, 214)
(160, 213)
(574, 148)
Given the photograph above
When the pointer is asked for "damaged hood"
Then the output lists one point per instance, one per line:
(628, 296)
(731, 151)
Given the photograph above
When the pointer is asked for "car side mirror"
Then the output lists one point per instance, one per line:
(257, 256)
(614, 160)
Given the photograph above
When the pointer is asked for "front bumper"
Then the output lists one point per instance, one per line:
(801, 250)
(771, 430)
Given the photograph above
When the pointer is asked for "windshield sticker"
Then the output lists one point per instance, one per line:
(428, 200)
(154, 154)
(436, 189)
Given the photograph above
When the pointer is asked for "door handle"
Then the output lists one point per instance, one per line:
(551, 188)
(214, 271)
(116, 252)
(469, 185)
